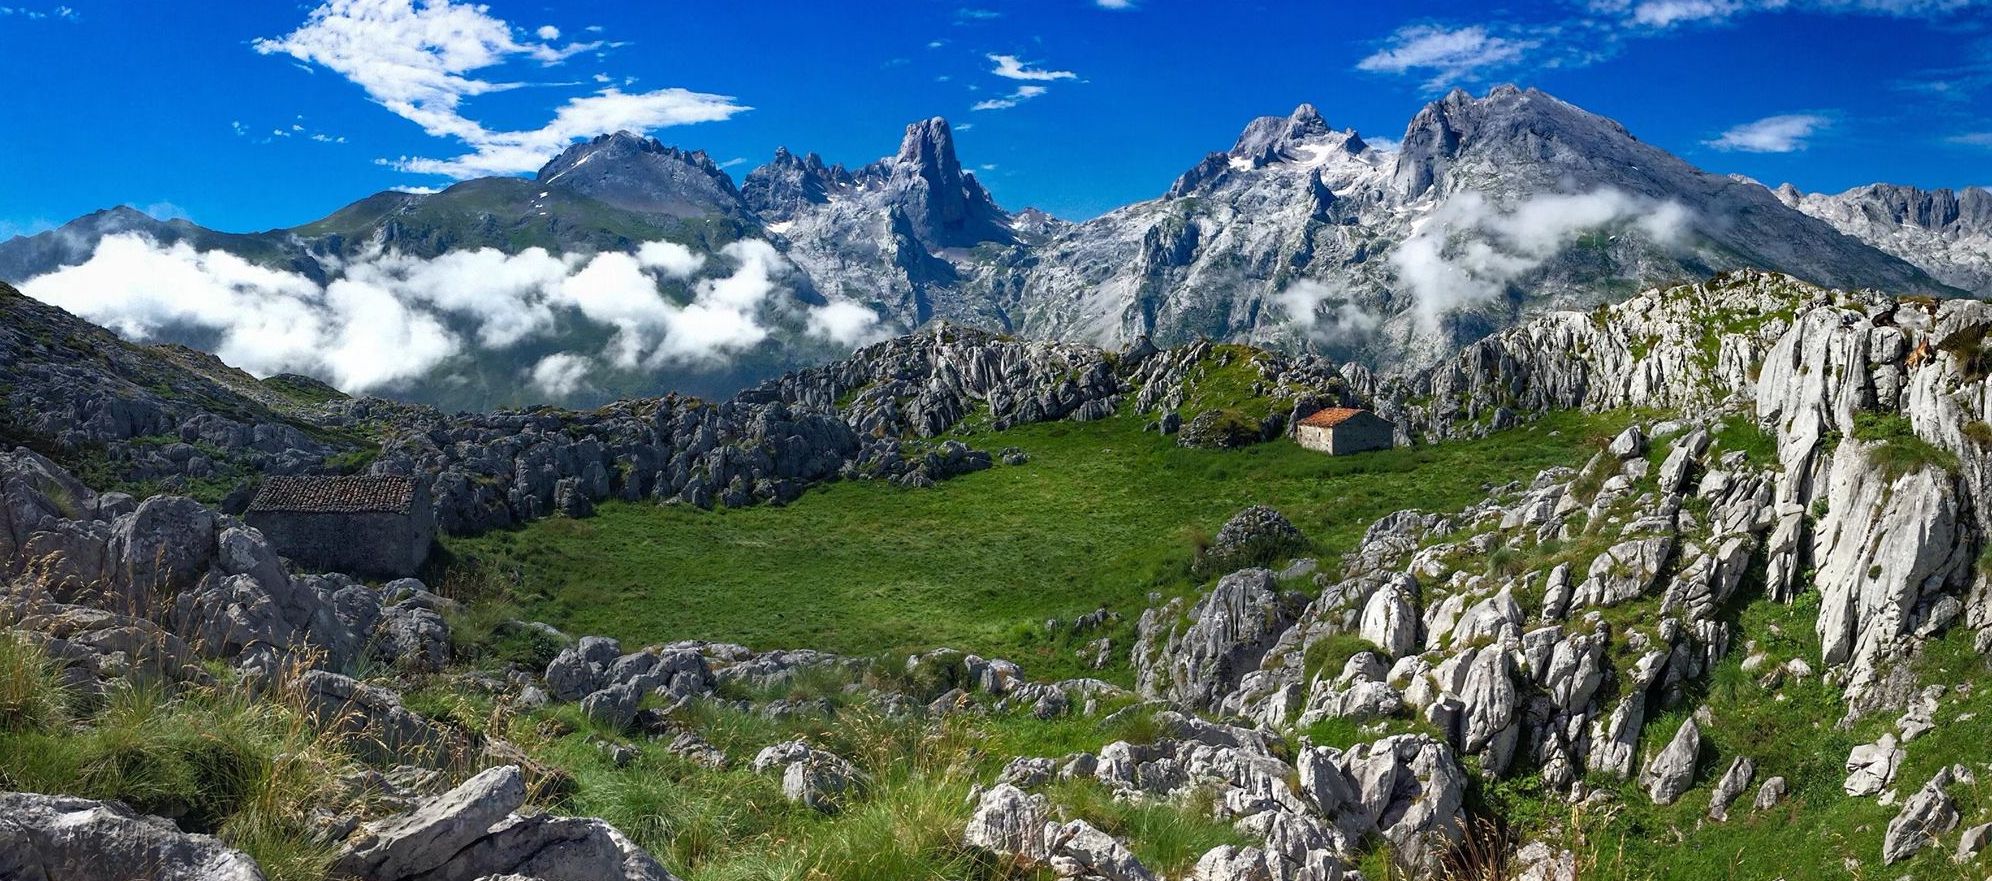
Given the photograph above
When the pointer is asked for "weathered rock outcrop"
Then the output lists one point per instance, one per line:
(58, 838)
(475, 831)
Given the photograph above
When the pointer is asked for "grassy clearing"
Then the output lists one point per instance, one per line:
(214, 759)
(1102, 515)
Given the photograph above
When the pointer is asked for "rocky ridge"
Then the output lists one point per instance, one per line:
(1301, 237)
(1947, 233)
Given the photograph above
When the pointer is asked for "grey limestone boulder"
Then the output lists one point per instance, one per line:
(59, 838)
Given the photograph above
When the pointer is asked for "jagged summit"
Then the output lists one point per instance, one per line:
(641, 174)
(1302, 138)
(946, 205)
(790, 183)
(1270, 139)
(1524, 125)
(1947, 233)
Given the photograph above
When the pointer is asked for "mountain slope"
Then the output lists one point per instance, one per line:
(1492, 208)
(1300, 236)
(1946, 233)
(898, 232)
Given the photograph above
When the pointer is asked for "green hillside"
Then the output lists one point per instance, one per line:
(1103, 514)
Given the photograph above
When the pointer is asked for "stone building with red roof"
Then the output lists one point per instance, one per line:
(1339, 431)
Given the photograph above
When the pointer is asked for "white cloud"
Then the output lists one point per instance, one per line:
(670, 258)
(1324, 311)
(417, 61)
(846, 323)
(1668, 13)
(1469, 250)
(1450, 55)
(1022, 94)
(561, 374)
(353, 333)
(387, 319)
(1972, 139)
(548, 32)
(1114, 4)
(584, 117)
(1772, 134)
(499, 294)
(1010, 68)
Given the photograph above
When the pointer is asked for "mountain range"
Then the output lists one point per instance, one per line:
(1300, 236)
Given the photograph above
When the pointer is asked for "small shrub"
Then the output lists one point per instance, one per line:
(1979, 433)
(31, 694)
(1221, 429)
(1759, 447)
(1329, 654)
(1896, 449)
(1968, 347)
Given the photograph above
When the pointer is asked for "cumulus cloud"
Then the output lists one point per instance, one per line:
(846, 323)
(670, 258)
(418, 62)
(386, 319)
(1468, 250)
(1324, 311)
(1449, 55)
(352, 332)
(560, 374)
(1022, 94)
(1772, 134)
(1010, 68)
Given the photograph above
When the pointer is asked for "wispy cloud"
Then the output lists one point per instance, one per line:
(1786, 133)
(1972, 139)
(1114, 4)
(1671, 13)
(1010, 68)
(1462, 52)
(419, 63)
(1448, 55)
(1022, 94)
(58, 13)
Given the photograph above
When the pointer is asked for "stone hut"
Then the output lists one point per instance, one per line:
(370, 526)
(1339, 431)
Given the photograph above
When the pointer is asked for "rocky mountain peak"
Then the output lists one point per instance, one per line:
(641, 174)
(1301, 136)
(929, 142)
(1526, 125)
(946, 205)
(789, 184)
(1947, 233)
(1270, 139)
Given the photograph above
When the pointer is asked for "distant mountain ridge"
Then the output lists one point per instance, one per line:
(1948, 233)
(1301, 236)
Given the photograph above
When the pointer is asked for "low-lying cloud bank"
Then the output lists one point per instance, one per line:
(1469, 250)
(386, 319)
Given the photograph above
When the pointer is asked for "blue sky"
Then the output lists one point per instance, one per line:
(252, 115)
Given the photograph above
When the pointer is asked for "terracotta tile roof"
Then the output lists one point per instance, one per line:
(1332, 416)
(336, 495)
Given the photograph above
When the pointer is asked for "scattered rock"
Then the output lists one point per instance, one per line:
(59, 838)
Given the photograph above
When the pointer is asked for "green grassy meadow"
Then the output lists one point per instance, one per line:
(1103, 514)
